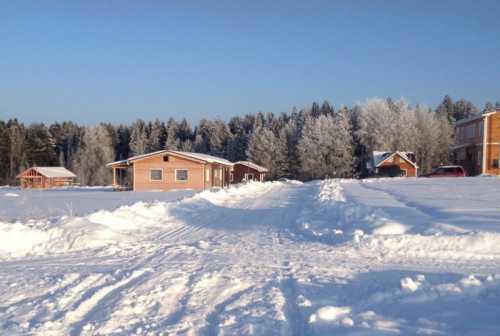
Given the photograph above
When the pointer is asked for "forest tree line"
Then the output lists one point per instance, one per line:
(315, 142)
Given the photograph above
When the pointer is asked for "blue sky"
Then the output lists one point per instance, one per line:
(92, 61)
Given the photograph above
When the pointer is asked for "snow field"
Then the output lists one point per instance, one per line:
(284, 258)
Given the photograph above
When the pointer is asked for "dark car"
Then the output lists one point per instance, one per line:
(447, 171)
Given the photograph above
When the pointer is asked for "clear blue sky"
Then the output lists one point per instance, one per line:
(92, 61)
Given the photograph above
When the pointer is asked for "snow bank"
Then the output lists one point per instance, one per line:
(470, 246)
(68, 234)
(232, 197)
(112, 227)
(334, 218)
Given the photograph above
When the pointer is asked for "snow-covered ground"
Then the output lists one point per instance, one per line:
(343, 257)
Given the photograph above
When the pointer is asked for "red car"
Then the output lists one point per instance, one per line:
(447, 171)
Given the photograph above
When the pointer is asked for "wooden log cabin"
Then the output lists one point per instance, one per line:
(394, 164)
(477, 144)
(245, 171)
(168, 170)
(45, 177)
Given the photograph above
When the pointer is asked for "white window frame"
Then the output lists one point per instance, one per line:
(207, 174)
(249, 174)
(231, 177)
(162, 175)
(405, 172)
(187, 175)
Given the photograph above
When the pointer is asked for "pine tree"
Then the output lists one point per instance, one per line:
(139, 139)
(40, 146)
(445, 110)
(172, 135)
(158, 136)
(488, 107)
(463, 109)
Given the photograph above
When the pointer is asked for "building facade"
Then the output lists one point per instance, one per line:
(45, 177)
(477, 144)
(168, 170)
(245, 171)
(393, 164)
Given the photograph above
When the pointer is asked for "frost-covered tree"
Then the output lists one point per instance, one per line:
(377, 128)
(262, 149)
(325, 148)
(406, 127)
(157, 136)
(172, 140)
(90, 161)
(139, 138)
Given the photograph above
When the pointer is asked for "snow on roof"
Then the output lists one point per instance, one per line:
(54, 172)
(252, 165)
(379, 157)
(204, 157)
(196, 156)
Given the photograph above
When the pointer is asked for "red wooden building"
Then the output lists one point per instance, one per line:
(46, 177)
(393, 164)
(244, 171)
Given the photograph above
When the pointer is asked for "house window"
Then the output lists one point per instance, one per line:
(495, 163)
(479, 157)
(165, 158)
(156, 174)
(181, 175)
(249, 177)
(231, 177)
(470, 131)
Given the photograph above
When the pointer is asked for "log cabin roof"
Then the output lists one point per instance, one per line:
(380, 157)
(252, 165)
(50, 172)
(205, 158)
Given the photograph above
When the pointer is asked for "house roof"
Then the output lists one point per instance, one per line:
(189, 155)
(252, 165)
(52, 172)
(204, 157)
(380, 157)
(476, 117)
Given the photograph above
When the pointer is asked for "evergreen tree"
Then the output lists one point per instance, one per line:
(488, 107)
(172, 135)
(463, 109)
(40, 146)
(139, 138)
(446, 109)
(158, 136)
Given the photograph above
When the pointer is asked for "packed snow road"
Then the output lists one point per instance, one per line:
(384, 257)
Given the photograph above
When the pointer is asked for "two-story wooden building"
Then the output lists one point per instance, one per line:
(477, 144)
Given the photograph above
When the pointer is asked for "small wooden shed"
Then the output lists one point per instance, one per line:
(46, 177)
(394, 164)
(245, 171)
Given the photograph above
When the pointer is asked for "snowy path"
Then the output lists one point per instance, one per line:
(263, 259)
